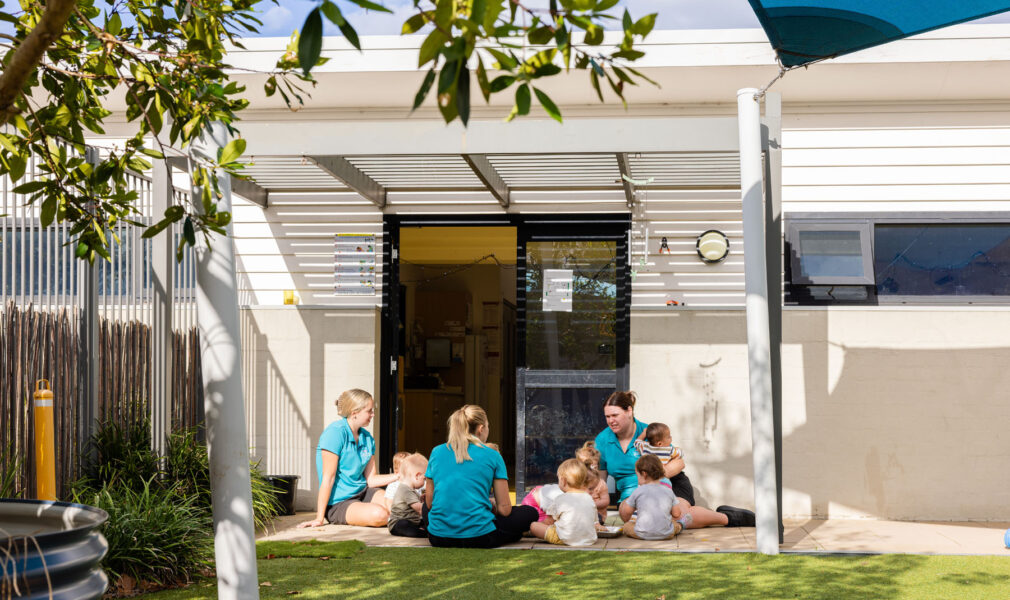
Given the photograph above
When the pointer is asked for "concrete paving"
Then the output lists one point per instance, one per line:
(801, 535)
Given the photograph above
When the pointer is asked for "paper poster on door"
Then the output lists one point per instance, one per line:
(558, 290)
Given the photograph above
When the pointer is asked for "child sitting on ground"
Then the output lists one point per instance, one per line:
(658, 515)
(590, 456)
(405, 515)
(391, 488)
(572, 515)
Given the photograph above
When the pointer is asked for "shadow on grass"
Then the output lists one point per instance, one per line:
(329, 571)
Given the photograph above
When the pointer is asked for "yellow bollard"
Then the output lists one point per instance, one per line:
(45, 456)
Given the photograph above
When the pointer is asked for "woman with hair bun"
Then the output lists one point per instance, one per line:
(461, 474)
(350, 489)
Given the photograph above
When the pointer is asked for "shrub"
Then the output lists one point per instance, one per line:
(10, 471)
(160, 527)
(155, 534)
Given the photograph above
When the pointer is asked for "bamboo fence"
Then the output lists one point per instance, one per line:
(37, 344)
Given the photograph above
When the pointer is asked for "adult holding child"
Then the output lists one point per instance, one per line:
(618, 455)
(461, 475)
(350, 488)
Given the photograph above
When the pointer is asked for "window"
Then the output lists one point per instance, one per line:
(895, 258)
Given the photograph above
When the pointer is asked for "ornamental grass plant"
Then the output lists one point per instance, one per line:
(160, 527)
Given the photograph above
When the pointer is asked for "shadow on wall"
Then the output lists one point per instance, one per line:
(870, 428)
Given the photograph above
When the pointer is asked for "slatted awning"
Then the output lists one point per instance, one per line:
(373, 176)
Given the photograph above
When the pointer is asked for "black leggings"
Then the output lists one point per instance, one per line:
(507, 530)
(682, 487)
(405, 528)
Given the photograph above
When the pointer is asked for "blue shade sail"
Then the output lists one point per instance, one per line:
(804, 31)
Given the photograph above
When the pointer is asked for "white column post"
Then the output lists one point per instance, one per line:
(163, 304)
(758, 333)
(224, 405)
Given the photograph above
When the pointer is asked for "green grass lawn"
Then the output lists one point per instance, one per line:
(349, 570)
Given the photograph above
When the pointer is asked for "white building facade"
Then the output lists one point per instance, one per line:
(894, 405)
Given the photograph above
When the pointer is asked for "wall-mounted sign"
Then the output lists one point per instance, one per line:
(354, 264)
(558, 290)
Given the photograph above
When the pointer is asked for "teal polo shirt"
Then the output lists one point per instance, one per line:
(620, 464)
(353, 458)
(461, 506)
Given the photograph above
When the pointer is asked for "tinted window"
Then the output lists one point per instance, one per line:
(937, 259)
(830, 254)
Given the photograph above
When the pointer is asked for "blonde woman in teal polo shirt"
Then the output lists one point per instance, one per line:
(461, 476)
(616, 444)
(350, 489)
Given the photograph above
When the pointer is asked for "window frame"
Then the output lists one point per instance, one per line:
(795, 222)
(865, 229)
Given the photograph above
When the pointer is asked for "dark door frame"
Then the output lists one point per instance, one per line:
(528, 227)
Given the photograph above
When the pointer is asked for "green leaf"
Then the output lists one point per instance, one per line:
(548, 104)
(501, 82)
(506, 62)
(332, 12)
(29, 187)
(413, 24)
(605, 5)
(152, 153)
(444, 13)
(447, 78)
(49, 206)
(371, 6)
(350, 34)
(477, 10)
(540, 35)
(491, 13)
(595, 80)
(310, 42)
(463, 94)
(430, 47)
(626, 21)
(62, 117)
(594, 35)
(523, 99)
(422, 92)
(6, 143)
(584, 4)
(188, 232)
(629, 54)
(485, 86)
(644, 25)
(232, 151)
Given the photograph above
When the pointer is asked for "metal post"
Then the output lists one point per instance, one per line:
(163, 309)
(772, 144)
(221, 352)
(89, 416)
(758, 344)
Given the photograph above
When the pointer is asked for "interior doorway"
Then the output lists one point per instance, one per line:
(456, 328)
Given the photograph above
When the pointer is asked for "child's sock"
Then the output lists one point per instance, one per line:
(685, 520)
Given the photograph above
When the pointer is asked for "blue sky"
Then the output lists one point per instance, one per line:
(283, 18)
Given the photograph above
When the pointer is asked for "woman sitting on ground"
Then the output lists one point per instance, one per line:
(460, 474)
(350, 489)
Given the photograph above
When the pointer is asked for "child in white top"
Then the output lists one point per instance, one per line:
(572, 515)
(590, 457)
(655, 503)
(391, 488)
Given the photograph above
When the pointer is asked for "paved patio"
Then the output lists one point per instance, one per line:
(801, 535)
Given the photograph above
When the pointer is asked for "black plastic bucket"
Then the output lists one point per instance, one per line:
(285, 486)
(54, 547)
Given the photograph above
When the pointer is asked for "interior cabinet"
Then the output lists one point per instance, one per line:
(425, 418)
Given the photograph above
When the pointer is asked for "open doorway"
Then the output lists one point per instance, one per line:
(456, 332)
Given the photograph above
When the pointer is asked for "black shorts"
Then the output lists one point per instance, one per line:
(682, 487)
(337, 513)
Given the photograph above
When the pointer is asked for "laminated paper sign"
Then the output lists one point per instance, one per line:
(558, 290)
(354, 264)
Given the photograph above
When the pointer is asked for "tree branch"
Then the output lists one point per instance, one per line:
(28, 55)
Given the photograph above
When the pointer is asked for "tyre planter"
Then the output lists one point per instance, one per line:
(51, 547)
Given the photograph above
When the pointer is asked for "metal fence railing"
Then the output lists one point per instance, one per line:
(45, 297)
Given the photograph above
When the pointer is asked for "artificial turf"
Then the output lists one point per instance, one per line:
(350, 570)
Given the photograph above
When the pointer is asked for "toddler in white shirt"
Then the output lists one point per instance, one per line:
(572, 515)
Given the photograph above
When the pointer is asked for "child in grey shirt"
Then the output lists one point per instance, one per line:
(657, 506)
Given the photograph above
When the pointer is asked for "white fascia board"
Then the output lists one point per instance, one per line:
(681, 48)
